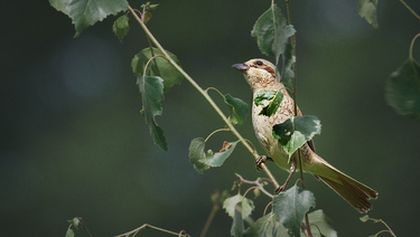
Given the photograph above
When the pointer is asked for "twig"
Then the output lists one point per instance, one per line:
(410, 9)
(215, 209)
(410, 50)
(257, 184)
(134, 232)
(293, 45)
(204, 94)
(216, 131)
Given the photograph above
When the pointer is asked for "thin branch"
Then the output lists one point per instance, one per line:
(204, 94)
(134, 232)
(410, 9)
(216, 131)
(410, 51)
(215, 209)
(388, 228)
(256, 183)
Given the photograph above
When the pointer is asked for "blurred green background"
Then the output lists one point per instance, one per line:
(73, 142)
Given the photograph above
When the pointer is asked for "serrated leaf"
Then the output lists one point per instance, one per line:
(402, 89)
(203, 161)
(288, 74)
(269, 226)
(296, 131)
(151, 89)
(239, 109)
(238, 228)
(69, 232)
(290, 207)
(270, 100)
(85, 13)
(319, 224)
(367, 10)
(157, 67)
(272, 32)
(121, 27)
(245, 205)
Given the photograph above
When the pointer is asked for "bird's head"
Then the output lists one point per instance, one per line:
(259, 73)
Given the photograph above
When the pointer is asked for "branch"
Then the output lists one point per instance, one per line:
(256, 183)
(410, 51)
(134, 232)
(204, 94)
(410, 9)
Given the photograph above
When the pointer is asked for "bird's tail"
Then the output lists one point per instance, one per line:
(354, 192)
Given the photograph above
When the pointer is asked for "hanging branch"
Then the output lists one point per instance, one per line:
(205, 95)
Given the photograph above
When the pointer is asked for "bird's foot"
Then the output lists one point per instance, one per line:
(261, 160)
(283, 187)
(280, 189)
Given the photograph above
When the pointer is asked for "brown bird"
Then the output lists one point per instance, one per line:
(261, 76)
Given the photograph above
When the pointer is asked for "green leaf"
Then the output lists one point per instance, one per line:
(246, 206)
(319, 224)
(151, 89)
(290, 207)
(147, 11)
(239, 208)
(121, 27)
(402, 89)
(272, 32)
(69, 232)
(238, 227)
(269, 226)
(367, 10)
(85, 13)
(288, 74)
(239, 109)
(296, 131)
(203, 161)
(159, 66)
(75, 222)
(270, 100)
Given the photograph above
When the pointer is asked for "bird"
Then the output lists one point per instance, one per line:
(262, 76)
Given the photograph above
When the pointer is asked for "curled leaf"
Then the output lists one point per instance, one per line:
(239, 109)
(151, 89)
(203, 161)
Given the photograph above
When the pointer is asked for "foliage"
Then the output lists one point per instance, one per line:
(402, 89)
(272, 32)
(158, 70)
(85, 13)
(296, 131)
(205, 160)
(270, 100)
(367, 10)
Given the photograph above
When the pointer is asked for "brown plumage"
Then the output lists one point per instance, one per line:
(261, 76)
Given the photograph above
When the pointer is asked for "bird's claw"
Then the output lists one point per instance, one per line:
(280, 189)
(261, 160)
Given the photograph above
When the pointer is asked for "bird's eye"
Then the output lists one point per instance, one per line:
(259, 63)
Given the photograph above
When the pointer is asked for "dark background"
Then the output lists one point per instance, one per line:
(73, 142)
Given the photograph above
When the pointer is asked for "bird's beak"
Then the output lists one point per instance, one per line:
(241, 67)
